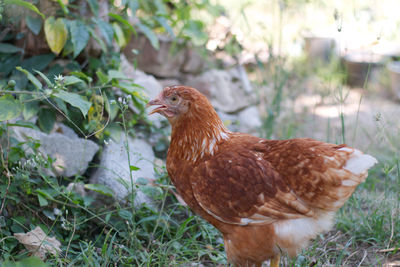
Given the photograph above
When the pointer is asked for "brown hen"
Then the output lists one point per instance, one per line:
(267, 197)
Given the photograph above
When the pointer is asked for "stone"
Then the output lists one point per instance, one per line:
(228, 90)
(194, 62)
(231, 121)
(169, 82)
(71, 153)
(161, 62)
(249, 120)
(151, 87)
(149, 83)
(245, 121)
(114, 170)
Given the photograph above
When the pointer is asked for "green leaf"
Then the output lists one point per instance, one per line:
(82, 75)
(56, 34)
(194, 30)
(150, 35)
(133, 168)
(133, 5)
(98, 39)
(8, 64)
(25, 5)
(32, 78)
(24, 124)
(9, 48)
(151, 191)
(111, 109)
(44, 77)
(94, 6)
(70, 80)
(31, 107)
(125, 214)
(42, 201)
(114, 74)
(74, 100)
(119, 35)
(45, 193)
(61, 105)
(102, 77)
(99, 188)
(47, 118)
(106, 30)
(39, 62)
(10, 108)
(114, 130)
(27, 262)
(123, 21)
(63, 6)
(49, 214)
(34, 24)
(163, 22)
(79, 36)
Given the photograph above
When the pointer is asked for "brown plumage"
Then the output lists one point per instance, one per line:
(267, 197)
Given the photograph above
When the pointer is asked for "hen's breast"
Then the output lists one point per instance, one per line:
(180, 171)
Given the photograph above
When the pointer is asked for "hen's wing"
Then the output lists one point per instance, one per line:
(323, 175)
(264, 182)
(240, 187)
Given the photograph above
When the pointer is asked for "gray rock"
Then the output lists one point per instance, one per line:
(149, 83)
(71, 153)
(245, 121)
(231, 121)
(114, 170)
(169, 82)
(63, 129)
(249, 120)
(228, 90)
(161, 62)
(194, 62)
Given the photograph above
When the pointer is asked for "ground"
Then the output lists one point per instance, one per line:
(366, 232)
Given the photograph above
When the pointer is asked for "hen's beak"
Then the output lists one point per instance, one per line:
(156, 102)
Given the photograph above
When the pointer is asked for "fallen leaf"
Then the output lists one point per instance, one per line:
(38, 243)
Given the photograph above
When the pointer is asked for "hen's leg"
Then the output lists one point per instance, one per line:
(274, 262)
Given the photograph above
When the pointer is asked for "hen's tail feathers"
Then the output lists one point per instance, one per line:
(358, 163)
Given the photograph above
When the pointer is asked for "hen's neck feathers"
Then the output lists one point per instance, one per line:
(198, 133)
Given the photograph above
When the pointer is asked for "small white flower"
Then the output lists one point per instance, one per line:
(56, 211)
(59, 78)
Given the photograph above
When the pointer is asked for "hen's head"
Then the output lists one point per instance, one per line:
(178, 103)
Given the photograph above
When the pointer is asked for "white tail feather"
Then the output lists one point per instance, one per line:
(358, 161)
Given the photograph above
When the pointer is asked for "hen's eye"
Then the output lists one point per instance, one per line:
(174, 99)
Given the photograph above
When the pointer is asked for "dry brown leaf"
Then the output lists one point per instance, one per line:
(38, 243)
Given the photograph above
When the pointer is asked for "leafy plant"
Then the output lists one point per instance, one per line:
(87, 91)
